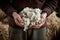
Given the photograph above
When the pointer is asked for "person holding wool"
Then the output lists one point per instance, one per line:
(35, 32)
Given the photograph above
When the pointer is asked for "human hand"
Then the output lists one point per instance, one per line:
(17, 19)
(42, 21)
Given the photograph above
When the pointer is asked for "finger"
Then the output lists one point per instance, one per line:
(19, 19)
(39, 25)
(16, 22)
(19, 24)
(42, 22)
(30, 26)
(36, 26)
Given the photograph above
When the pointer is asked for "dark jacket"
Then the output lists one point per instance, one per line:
(58, 9)
(10, 6)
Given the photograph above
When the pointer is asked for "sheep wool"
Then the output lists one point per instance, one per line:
(30, 16)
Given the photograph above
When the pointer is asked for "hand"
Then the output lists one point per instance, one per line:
(17, 19)
(42, 21)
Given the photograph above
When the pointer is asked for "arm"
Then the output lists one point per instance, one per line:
(6, 6)
(50, 6)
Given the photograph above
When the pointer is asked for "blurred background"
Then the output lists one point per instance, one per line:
(52, 28)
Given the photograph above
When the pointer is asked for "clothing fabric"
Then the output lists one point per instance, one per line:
(31, 34)
(58, 9)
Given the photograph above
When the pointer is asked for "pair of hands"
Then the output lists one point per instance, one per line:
(19, 21)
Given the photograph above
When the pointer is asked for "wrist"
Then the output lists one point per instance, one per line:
(14, 13)
(44, 14)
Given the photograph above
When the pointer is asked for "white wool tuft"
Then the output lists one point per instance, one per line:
(30, 16)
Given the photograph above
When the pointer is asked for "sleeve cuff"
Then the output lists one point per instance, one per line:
(47, 10)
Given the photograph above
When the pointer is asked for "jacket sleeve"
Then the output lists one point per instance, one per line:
(50, 6)
(6, 6)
